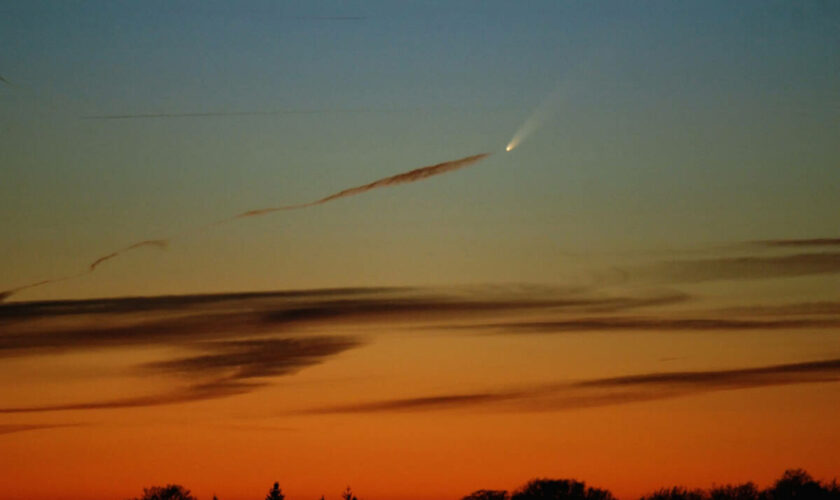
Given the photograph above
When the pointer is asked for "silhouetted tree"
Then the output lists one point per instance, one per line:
(833, 489)
(746, 491)
(168, 492)
(487, 495)
(275, 493)
(676, 493)
(796, 484)
(348, 495)
(559, 489)
(598, 494)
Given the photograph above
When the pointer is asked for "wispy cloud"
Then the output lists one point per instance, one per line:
(656, 324)
(806, 242)
(819, 309)
(198, 392)
(234, 367)
(740, 268)
(606, 391)
(14, 428)
(247, 359)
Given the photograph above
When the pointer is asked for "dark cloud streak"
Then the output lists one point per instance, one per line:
(14, 428)
(656, 324)
(807, 242)
(200, 392)
(741, 268)
(607, 391)
(233, 366)
(257, 358)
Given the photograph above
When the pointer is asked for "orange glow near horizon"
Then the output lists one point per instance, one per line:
(248, 242)
(236, 446)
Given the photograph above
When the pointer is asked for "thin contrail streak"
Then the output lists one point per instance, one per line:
(208, 114)
(330, 18)
(162, 244)
(8, 293)
(405, 177)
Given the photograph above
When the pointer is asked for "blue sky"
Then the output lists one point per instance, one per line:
(678, 124)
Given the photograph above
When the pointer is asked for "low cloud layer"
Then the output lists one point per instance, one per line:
(61, 326)
(224, 345)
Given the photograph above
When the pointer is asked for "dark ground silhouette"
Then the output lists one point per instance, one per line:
(168, 492)
(795, 484)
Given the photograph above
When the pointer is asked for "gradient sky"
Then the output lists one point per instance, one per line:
(692, 152)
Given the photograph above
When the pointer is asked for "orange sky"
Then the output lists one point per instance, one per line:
(644, 292)
(441, 392)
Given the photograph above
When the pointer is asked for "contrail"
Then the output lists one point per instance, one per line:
(5, 81)
(330, 18)
(8, 293)
(405, 177)
(207, 114)
(162, 244)
(269, 112)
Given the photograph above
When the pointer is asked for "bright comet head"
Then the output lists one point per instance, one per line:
(509, 147)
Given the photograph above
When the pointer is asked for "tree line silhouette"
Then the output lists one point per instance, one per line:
(795, 484)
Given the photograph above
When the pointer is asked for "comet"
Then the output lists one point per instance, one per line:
(544, 112)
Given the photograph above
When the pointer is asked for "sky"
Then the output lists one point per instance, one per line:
(643, 292)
